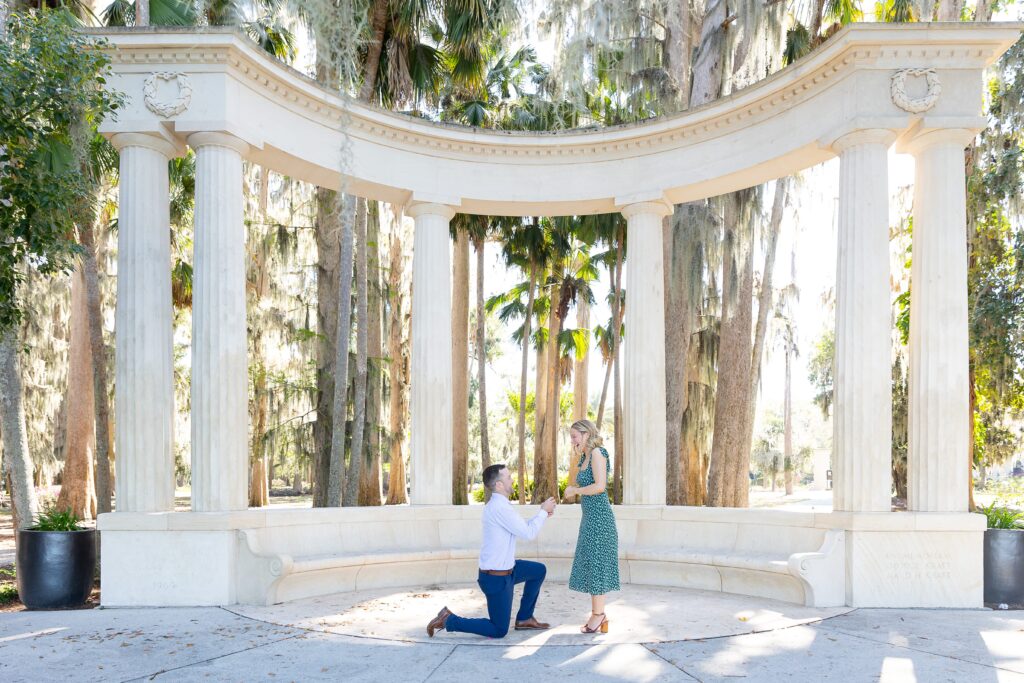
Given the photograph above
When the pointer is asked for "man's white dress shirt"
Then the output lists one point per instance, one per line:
(502, 524)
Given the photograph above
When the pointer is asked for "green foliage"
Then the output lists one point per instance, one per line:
(1001, 517)
(52, 97)
(996, 266)
(54, 519)
(1009, 490)
(8, 586)
(819, 371)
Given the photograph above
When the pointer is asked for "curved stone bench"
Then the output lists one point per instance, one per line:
(786, 558)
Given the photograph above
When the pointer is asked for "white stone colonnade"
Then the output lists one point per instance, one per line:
(868, 88)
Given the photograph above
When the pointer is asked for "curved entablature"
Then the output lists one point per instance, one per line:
(904, 78)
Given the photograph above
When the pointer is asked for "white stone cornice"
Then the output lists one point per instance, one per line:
(780, 123)
(197, 140)
(153, 142)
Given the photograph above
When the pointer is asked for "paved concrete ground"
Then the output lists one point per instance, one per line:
(213, 644)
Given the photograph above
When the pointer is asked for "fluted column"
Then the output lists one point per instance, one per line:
(939, 427)
(220, 414)
(643, 469)
(144, 373)
(862, 423)
(430, 366)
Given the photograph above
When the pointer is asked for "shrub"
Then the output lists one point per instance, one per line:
(1002, 517)
(53, 519)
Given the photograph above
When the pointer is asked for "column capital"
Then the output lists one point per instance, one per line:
(864, 136)
(152, 142)
(659, 208)
(416, 209)
(207, 139)
(922, 140)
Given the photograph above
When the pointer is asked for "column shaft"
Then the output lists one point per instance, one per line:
(862, 423)
(220, 398)
(937, 464)
(430, 365)
(643, 469)
(144, 373)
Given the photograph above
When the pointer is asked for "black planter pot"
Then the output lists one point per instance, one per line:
(55, 568)
(1004, 566)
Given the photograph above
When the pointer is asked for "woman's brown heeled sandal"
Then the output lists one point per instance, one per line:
(602, 627)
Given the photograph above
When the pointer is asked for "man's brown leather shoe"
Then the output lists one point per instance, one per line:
(532, 624)
(438, 622)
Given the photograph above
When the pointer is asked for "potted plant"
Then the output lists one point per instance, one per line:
(56, 561)
(1004, 556)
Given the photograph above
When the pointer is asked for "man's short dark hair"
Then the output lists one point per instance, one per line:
(491, 475)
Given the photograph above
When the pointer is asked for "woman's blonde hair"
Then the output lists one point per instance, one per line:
(587, 427)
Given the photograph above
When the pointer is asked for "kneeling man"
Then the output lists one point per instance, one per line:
(500, 571)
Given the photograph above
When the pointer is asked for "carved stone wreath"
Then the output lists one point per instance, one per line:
(167, 108)
(915, 105)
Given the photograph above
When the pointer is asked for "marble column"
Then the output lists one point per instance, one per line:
(862, 422)
(144, 372)
(643, 469)
(220, 398)
(430, 366)
(939, 428)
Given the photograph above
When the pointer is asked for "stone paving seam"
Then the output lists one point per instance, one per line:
(670, 662)
(915, 649)
(441, 643)
(150, 677)
(441, 663)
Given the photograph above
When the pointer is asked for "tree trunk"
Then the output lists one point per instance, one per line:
(77, 492)
(371, 62)
(521, 425)
(618, 306)
(540, 399)
(328, 231)
(258, 486)
(816, 18)
(787, 451)
(709, 60)
(764, 306)
(397, 374)
(579, 387)
(17, 462)
(98, 353)
(142, 12)
(339, 411)
(297, 482)
(460, 368)
(732, 394)
(357, 453)
(481, 355)
(604, 394)
(679, 283)
(545, 470)
(949, 10)
(370, 483)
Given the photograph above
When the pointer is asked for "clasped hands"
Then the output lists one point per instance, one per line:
(548, 506)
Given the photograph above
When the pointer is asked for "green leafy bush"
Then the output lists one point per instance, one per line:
(1003, 517)
(53, 519)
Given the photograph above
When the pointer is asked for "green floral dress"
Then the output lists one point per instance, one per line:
(595, 569)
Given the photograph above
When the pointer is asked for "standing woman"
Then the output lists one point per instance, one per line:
(595, 568)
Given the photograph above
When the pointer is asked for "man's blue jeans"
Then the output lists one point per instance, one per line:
(498, 590)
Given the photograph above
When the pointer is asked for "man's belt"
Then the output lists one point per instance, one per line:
(496, 572)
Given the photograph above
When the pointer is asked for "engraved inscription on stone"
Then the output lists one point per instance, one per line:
(920, 566)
